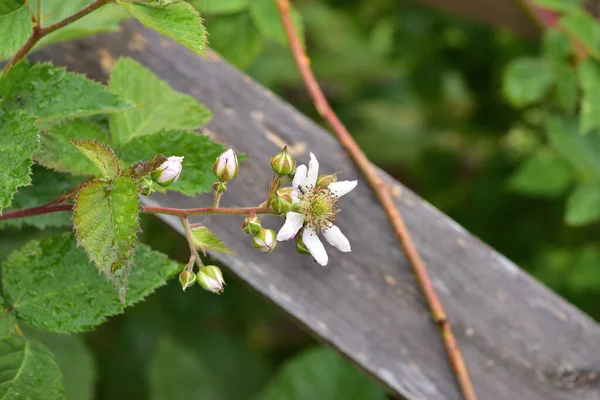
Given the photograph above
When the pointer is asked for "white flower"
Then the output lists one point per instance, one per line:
(168, 172)
(315, 209)
(226, 166)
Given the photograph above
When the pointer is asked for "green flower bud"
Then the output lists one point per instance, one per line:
(251, 224)
(226, 166)
(283, 163)
(325, 180)
(220, 187)
(265, 240)
(211, 279)
(147, 185)
(187, 278)
(281, 203)
(300, 246)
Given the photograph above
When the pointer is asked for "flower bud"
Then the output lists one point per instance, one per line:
(147, 185)
(300, 246)
(226, 166)
(265, 240)
(211, 279)
(251, 224)
(325, 180)
(220, 187)
(168, 172)
(187, 278)
(281, 203)
(283, 163)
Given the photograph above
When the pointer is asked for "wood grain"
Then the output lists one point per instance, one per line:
(520, 340)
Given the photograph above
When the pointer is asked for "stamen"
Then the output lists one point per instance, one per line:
(320, 207)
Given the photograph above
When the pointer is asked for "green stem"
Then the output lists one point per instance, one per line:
(189, 235)
(181, 212)
(39, 13)
(216, 200)
(38, 32)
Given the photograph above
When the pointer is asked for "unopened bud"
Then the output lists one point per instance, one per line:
(300, 246)
(281, 203)
(226, 166)
(168, 172)
(211, 279)
(220, 187)
(187, 278)
(265, 240)
(283, 163)
(251, 224)
(147, 185)
(325, 180)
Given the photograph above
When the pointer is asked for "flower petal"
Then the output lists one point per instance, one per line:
(293, 223)
(336, 238)
(299, 177)
(342, 187)
(314, 245)
(313, 171)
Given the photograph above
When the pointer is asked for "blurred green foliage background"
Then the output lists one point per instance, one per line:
(421, 91)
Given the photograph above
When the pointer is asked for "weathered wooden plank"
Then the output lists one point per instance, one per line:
(519, 339)
(506, 14)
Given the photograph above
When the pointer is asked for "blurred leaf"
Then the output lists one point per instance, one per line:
(20, 140)
(51, 93)
(526, 81)
(581, 151)
(46, 186)
(177, 20)
(560, 5)
(320, 373)
(556, 46)
(236, 38)
(29, 371)
(58, 152)
(543, 174)
(566, 89)
(589, 78)
(105, 217)
(103, 157)
(585, 270)
(15, 26)
(219, 6)
(583, 205)
(580, 25)
(199, 152)
(162, 108)
(266, 17)
(104, 19)
(74, 358)
(204, 239)
(53, 287)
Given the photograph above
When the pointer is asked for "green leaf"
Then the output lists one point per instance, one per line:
(106, 221)
(177, 20)
(46, 186)
(57, 151)
(8, 323)
(20, 139)
(54, 274)
(100, 155)
(543, 174)
(266, 17)
(583, 206)
(219, 6)
(320, 373)
(583, 268)
(560, 5)
(51, 93)
(15, 26)
(74, 358)
(589, 79)
(104, 19)
(582, 152)
(162, 108)
(204, 239)
(28, 371)
(566, 89)
(557, 46)
(236, 38)
(580, 25)
(199, 152)
(526, 81)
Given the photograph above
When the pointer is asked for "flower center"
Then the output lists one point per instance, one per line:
(319, 206)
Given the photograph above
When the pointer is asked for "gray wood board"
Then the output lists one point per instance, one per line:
(520, 340)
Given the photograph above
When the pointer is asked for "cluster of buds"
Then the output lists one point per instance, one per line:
(209, 278)
(264, 239)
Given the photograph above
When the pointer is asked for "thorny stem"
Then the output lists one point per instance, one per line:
(39, 32)
(190, 238)
(385, 197)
